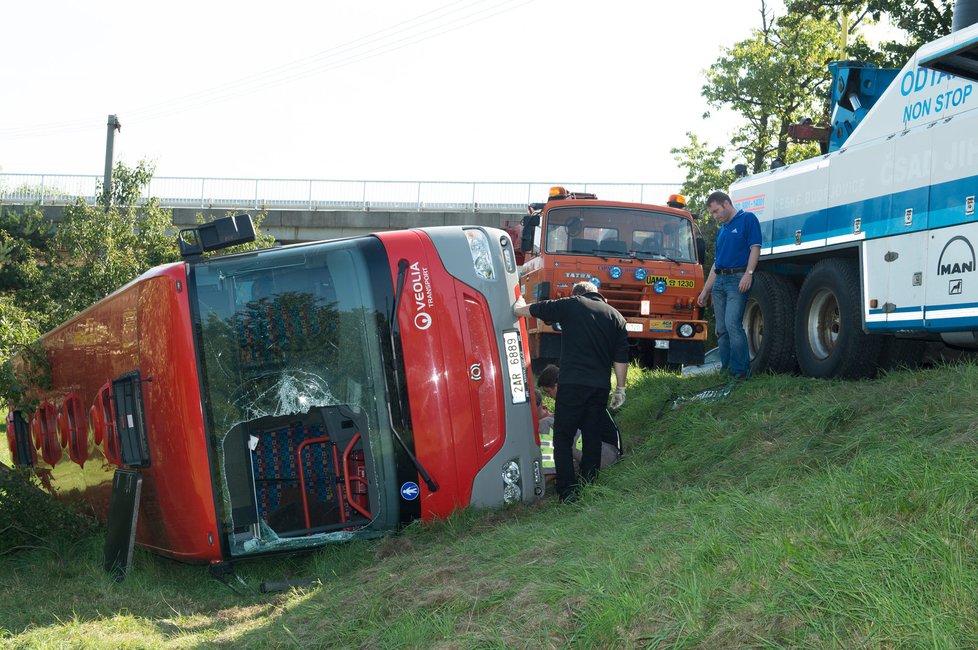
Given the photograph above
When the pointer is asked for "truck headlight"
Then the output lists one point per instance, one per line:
(686, 330)
(481, 259)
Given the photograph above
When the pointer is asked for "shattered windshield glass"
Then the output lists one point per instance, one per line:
(291, 344)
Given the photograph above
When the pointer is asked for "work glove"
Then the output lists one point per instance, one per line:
(520, 302)
(617, 399)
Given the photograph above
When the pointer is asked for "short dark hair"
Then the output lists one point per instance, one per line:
(719, 198)
(548, 376)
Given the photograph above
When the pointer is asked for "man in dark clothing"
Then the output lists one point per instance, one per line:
(593, 340)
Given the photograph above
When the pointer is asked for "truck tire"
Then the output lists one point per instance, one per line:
(769, 320)
(829, 336)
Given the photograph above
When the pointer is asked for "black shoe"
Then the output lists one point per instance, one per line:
(570, 497)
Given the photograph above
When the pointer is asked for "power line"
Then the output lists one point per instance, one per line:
(429, 25)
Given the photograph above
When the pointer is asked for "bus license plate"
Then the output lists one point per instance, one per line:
(514, 367)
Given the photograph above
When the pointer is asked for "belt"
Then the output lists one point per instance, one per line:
(732, 271)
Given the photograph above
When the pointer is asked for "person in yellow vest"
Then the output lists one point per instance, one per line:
(611, 449)
(546, 431)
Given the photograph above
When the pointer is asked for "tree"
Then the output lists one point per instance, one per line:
(774, 79)
(918, 22)
(706, 171)
(97, 249)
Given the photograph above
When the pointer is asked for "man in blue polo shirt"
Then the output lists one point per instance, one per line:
(732, 275)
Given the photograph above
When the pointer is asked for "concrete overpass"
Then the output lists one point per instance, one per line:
(312, 209)
(290, 226)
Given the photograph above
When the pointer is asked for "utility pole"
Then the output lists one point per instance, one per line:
(844, 34)
(113, 126)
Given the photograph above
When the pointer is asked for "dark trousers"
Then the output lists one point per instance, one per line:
(578, 407)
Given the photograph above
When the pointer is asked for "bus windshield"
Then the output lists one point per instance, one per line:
(292, 341)
(609, 231)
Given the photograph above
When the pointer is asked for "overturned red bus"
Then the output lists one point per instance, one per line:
(292, 397)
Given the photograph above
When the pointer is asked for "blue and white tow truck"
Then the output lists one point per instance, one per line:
(869, 249)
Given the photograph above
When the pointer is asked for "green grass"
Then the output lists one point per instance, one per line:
(794, 513)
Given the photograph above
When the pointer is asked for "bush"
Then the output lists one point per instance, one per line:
(34, 519)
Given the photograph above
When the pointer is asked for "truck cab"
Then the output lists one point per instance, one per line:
(646, 260)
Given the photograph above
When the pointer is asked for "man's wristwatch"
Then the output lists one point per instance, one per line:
(750, 272)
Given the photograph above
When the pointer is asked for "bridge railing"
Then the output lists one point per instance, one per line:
(316, 194)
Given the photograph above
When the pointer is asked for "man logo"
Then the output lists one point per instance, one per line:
(422, 320)
(958, 256)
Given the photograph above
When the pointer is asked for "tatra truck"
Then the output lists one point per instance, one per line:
(646, 260)
(233, 406)
(869, 249)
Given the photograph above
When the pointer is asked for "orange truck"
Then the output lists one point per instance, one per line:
(645, 259)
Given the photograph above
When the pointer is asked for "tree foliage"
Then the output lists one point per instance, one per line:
(918, 22)
(774, 79)
(51, 271)
(99, 248)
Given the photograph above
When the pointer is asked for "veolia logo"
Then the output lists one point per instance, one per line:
(421, 290)
(957, 257)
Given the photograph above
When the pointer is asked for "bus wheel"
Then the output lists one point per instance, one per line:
(829, 337)
(769, 323)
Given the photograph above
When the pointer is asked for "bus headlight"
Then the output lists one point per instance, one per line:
(481, 259)
(686, 330)
(511, 473)
(512, 492)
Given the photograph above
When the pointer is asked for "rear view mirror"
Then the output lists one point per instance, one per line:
(218, 234)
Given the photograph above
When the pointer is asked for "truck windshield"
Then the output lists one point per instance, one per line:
(290, 332)
(608, 231)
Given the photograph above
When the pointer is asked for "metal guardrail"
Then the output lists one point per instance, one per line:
(313, 194)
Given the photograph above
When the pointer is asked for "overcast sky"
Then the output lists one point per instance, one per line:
(470, 90)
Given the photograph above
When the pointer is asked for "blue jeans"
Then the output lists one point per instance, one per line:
(728, 305)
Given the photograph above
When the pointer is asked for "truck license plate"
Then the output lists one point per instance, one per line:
(514, 367)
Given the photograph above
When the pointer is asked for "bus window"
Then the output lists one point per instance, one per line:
(296, 334)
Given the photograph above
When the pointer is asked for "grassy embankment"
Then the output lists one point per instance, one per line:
(794, 513)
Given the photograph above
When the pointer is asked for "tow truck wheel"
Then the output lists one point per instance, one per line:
(829, 337)
(769, 323)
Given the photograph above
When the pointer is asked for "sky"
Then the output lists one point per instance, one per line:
(430, 90)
